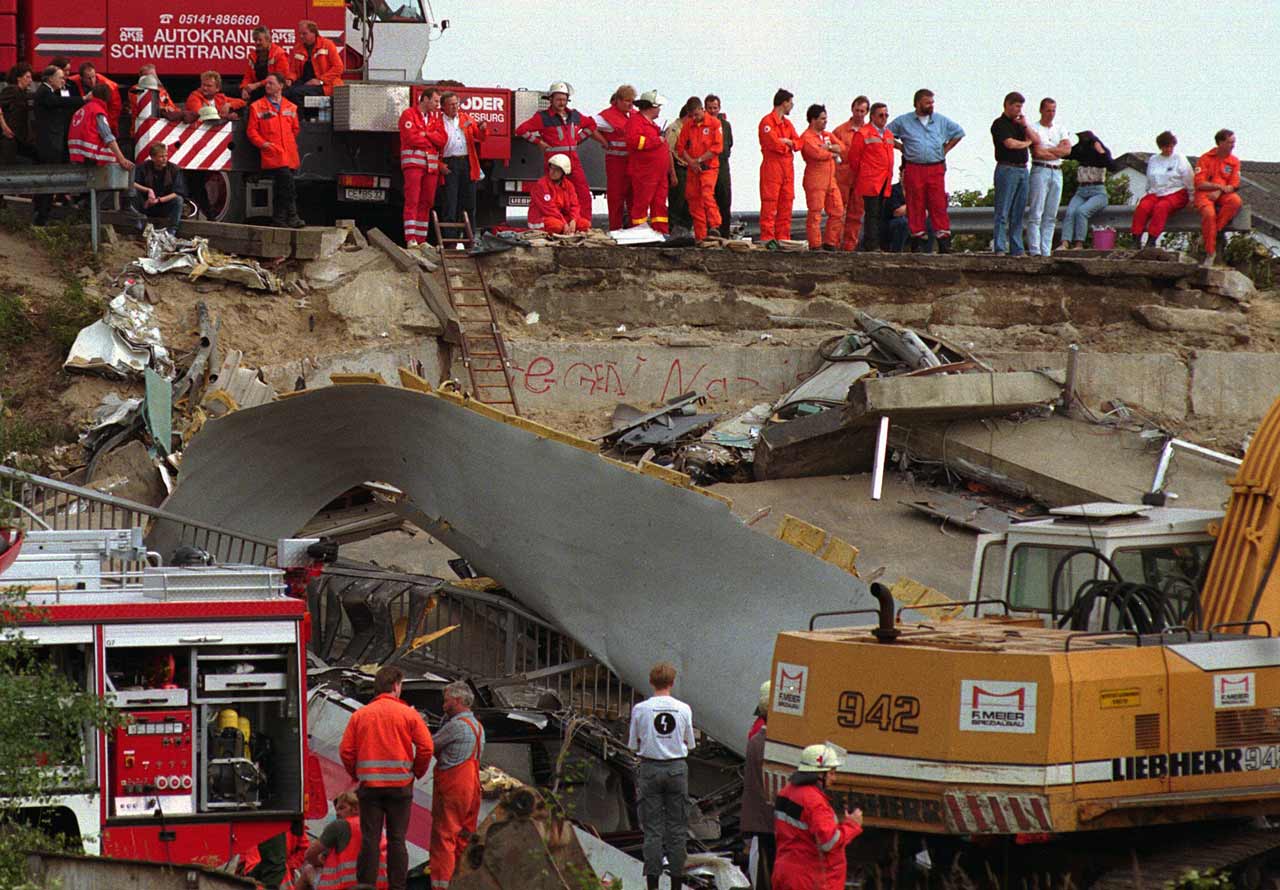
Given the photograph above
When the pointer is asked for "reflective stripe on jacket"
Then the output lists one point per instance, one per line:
(340, 866)
(326, 62)
(421, 139)
(274, 133)
(386, 744)
(810, 841)
(84, 142)
(612, 124)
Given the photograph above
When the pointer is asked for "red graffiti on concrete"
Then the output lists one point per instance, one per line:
(541, 376)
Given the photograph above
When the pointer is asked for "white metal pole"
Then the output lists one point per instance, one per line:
(877, 471)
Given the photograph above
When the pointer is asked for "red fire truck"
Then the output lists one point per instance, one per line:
(348, 143)
(206, 663)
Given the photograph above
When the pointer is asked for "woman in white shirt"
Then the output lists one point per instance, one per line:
(1170, 182)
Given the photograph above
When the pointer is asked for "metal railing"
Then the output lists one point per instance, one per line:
(73, 179)
(39, 503)
(496, 641)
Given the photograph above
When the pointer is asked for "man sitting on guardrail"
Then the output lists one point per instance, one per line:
(159, 188)
(1217, 183)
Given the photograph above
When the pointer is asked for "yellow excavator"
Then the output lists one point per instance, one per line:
(1104, 712)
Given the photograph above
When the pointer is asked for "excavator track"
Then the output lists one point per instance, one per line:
(1223, 846)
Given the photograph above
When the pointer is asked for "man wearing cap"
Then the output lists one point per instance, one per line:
(210, 95)
(553, 203)
(560, 130)
(810, 841)
(778, 142)
(648, 163)
(662, 736)
(148, 88)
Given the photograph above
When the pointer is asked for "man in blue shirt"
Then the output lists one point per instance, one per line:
(925, 139)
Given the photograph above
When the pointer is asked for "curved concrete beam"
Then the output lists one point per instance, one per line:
(633, 567)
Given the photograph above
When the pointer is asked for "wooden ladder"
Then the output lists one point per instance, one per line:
(484, 352)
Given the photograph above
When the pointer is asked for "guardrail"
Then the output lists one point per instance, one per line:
(980, 220)
(38, 503)
(66, 179)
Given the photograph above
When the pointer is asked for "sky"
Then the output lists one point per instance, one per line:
(1127, 71)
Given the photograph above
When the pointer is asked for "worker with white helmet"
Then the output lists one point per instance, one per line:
(553, 203)
(559, 130)
(810, 841)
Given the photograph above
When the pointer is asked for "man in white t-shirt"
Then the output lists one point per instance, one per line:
(662, 734)
(1050, 143)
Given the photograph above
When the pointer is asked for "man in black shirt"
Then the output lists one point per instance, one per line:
(158, 187)
(1012, 144)
(55, 103)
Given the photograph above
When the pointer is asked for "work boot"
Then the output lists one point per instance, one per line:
(297, 222)
(772, 244)
(915, 244)
(831, 247)
(944, 244)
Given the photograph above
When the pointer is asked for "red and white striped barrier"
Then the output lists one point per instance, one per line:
(194, 146)
(996, 812)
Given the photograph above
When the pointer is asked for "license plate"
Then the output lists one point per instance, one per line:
(517, 200)
(364, 194)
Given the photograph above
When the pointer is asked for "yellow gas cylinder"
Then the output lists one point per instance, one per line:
(228, 718)
(246, 729)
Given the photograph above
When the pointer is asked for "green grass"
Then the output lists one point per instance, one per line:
(15, 324)
(72, 310)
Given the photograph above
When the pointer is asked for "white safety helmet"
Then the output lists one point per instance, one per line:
(148, 82)
(766, 692)
(207, 113)
(560, 87)
(819, 759)
(563, 162)
(653, 97)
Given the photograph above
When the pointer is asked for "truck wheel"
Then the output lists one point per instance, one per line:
(220, 195)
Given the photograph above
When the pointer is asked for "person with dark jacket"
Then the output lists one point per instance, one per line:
(1091, 193)
(55, 103)
(159, 189)
(724, 182)
(16, 138)
(756, 820)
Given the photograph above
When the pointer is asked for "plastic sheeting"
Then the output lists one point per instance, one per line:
(124, 343)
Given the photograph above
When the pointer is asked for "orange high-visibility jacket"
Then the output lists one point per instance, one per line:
(872, 150)
(773, 129)
(220, 101)
(84, 142)
(386, 743)
(277, 63)
(274, 133)
(698, 139)
(810, 841)
(114, 103)
(819, 161)
(1219, 171)
(326, 61)
(553, 200)
(846, 173)
(421, 138)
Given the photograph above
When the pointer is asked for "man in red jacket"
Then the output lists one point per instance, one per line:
(778, 142)
(553, 203)
(385, 747)
(810, 841)
(871, 151)
(648, 164)
(559, 130)
(264, 58)
(210, 94)
(273, 128)
(612, 125)
(422, 136)
(315, 64)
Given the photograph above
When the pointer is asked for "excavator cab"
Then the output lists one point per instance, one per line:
(1098, 567)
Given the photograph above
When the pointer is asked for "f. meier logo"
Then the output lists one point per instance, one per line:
(1234, 690)
(789, 686)
(997, 706)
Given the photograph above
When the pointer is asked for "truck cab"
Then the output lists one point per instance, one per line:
(1043, 565)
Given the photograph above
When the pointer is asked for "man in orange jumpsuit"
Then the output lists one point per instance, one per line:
(1217, 190)
(210, 93)
(422, 136)
(385, 746)
(778, 140)
(823, 155)
(85, 82)
(872, 150)
(810, 841)
(847, 173)
(315, 64)
(700, 144)
(455, 801)
(273, 129)
(648, 163)
(612, 125)
(553, 203)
